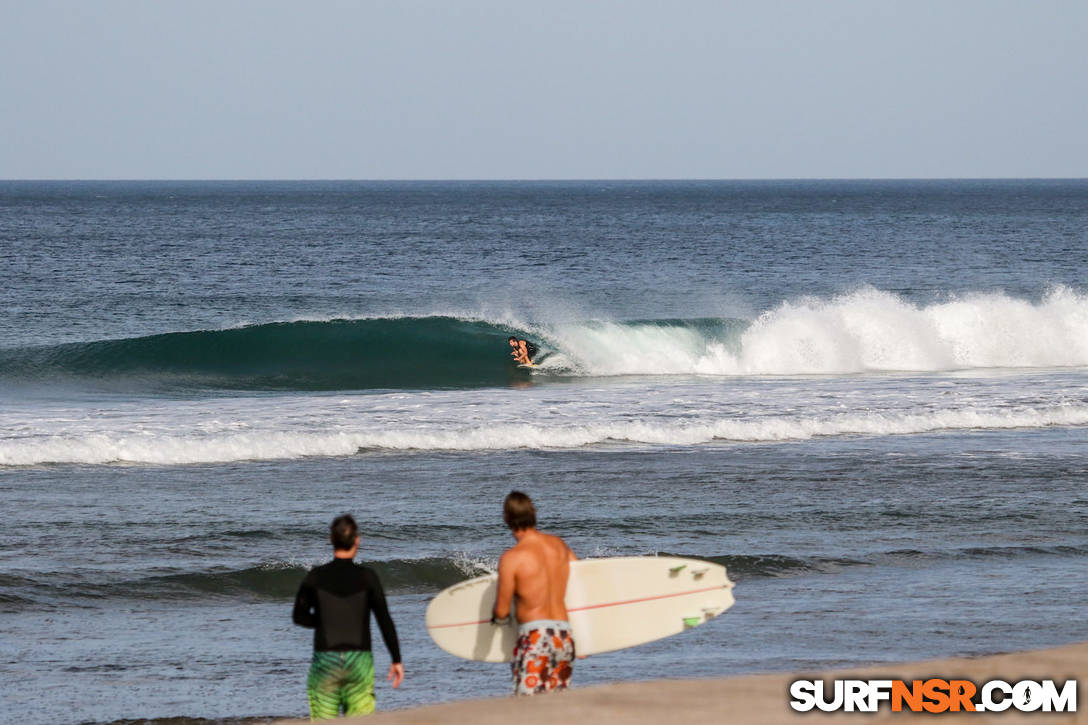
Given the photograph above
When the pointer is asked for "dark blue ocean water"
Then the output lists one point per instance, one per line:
(869, 400)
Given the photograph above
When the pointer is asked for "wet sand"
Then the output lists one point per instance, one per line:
(757, 699)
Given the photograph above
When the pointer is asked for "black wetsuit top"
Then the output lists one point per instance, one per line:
(336, 600)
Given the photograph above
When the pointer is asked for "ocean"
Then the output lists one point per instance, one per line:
(867, 399)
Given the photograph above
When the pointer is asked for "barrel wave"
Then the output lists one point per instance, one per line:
(436, 352)
(408, 352)
(861, 332)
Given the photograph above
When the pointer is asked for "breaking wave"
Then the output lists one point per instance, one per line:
(865, 331)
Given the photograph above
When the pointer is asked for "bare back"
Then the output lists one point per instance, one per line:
(535, 570)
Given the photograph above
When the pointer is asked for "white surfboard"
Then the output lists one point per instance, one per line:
(613, 603)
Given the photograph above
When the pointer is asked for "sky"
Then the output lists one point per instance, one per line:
(513, 89)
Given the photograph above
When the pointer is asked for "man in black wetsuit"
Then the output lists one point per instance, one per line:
(336, 600)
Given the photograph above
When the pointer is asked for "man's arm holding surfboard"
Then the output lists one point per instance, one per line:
(501, 611)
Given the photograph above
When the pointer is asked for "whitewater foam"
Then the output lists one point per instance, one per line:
(190, 448)
(866, 331)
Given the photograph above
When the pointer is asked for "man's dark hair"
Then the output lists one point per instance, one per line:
(342, 533)
(511, 339)
(518, 511)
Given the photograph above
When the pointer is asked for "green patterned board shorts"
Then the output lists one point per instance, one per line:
(341, 680)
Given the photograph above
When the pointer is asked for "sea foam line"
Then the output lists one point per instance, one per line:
(166, 448)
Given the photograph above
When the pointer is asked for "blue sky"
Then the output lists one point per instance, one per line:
(530, 90)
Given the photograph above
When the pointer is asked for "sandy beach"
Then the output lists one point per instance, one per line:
(756, 699)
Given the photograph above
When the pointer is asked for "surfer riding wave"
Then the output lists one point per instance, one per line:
(523, 351)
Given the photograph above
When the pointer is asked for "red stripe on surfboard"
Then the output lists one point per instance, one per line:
(645, 599)
(597, 606)
(456, 624)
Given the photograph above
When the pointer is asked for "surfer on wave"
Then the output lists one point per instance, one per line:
(523, 351)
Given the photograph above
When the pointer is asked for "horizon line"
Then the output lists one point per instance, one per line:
(548, 179)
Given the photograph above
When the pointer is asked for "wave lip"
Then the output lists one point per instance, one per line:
(761, 566)
(280, 580)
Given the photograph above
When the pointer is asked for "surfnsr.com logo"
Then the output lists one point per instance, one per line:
(934, 696)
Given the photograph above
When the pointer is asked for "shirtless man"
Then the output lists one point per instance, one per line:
(535, 571)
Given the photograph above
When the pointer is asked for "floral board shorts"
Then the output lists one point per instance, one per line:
(543, 657)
